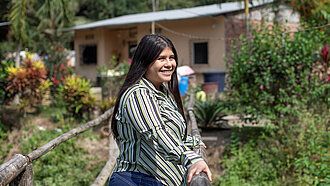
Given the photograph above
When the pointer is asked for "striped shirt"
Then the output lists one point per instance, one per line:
(151, 134)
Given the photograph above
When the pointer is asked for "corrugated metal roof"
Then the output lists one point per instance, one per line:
(5, 23)
(167, 15)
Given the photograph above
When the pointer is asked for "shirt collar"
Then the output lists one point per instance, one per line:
(147, 83)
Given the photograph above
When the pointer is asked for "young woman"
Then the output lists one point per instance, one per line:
(149, 123)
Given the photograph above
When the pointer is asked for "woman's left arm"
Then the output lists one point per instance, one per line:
(192, 141)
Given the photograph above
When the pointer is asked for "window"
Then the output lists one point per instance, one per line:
(88, 54)
(131, 48)
(200, 53)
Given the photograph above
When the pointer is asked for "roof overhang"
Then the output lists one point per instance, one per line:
(5, 23)
(170, 15)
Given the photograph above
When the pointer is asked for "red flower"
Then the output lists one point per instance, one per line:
(56, 81)
(53, 79)
(261, 87)
(325, 52)
(250, 62)
(62, 66)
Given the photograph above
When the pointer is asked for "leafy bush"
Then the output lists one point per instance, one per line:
(209, 112)
(67, 164)
(112, 76)
(107, 103)
(3, 79)
(5, 147)
(290, 154)
(56, 65)
(75, 96)
(29, 81)
(272, 74)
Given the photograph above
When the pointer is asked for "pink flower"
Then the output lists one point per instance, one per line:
(261, 87)
(250, 62)
(325, 52)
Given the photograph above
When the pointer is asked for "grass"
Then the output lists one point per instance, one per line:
(67, 164)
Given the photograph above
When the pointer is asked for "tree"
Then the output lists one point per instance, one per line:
(273, 74)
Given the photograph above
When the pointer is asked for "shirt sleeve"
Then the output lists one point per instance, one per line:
(143, 112)
(192, 141)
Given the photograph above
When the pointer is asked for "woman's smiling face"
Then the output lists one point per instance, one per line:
(162, 68)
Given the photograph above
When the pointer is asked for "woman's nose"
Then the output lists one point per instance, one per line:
(168, 62)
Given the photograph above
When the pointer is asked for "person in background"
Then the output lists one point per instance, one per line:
(148, 121)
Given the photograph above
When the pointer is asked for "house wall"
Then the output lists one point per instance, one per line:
(85, 37)
(114, 41)
(183, 33)
(235, 22)
(218, 31)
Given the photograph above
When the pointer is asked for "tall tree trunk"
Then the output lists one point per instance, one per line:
(17, 64)
(246, 4)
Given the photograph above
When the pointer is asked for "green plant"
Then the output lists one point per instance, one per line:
(57, 66)
(209, 112)
(3, 80)
(107, 103)
(112, 76)
(75, 96)
(67, 164)
(273, 73)
(5, 147)
(289, 154)
(29, 81)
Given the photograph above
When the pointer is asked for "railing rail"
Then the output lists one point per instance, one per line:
(200, 179)
(18, 170)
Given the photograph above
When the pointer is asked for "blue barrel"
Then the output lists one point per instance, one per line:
(216, 76)
(183, 86)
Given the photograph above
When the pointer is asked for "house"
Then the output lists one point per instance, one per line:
(201, 35)
(4, 30)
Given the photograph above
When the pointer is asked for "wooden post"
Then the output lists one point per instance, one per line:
(18, 163)
(200, 179)
(12, 168)
(107, 169)
(104, 175)
(25, 178)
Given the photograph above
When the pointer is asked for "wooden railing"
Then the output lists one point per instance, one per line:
(200, 179)
(18, 170)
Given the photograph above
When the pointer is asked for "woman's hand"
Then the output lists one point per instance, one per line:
(197, 168)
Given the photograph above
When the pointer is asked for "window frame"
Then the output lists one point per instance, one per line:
(193, 42)
(81, 49)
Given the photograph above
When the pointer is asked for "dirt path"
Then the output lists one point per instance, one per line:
(215, 140)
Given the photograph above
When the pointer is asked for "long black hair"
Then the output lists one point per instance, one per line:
(147, 51)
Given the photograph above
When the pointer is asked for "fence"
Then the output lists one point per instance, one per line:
(19, 171)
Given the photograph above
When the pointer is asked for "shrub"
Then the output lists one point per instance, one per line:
(5, 147)
(75, 96)
(112, 77)
(56, 65)
(272, 74)
(4, 94)
(107, 103)
(209, 112)
(67, 164)
(29, 81)
(290, 154)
